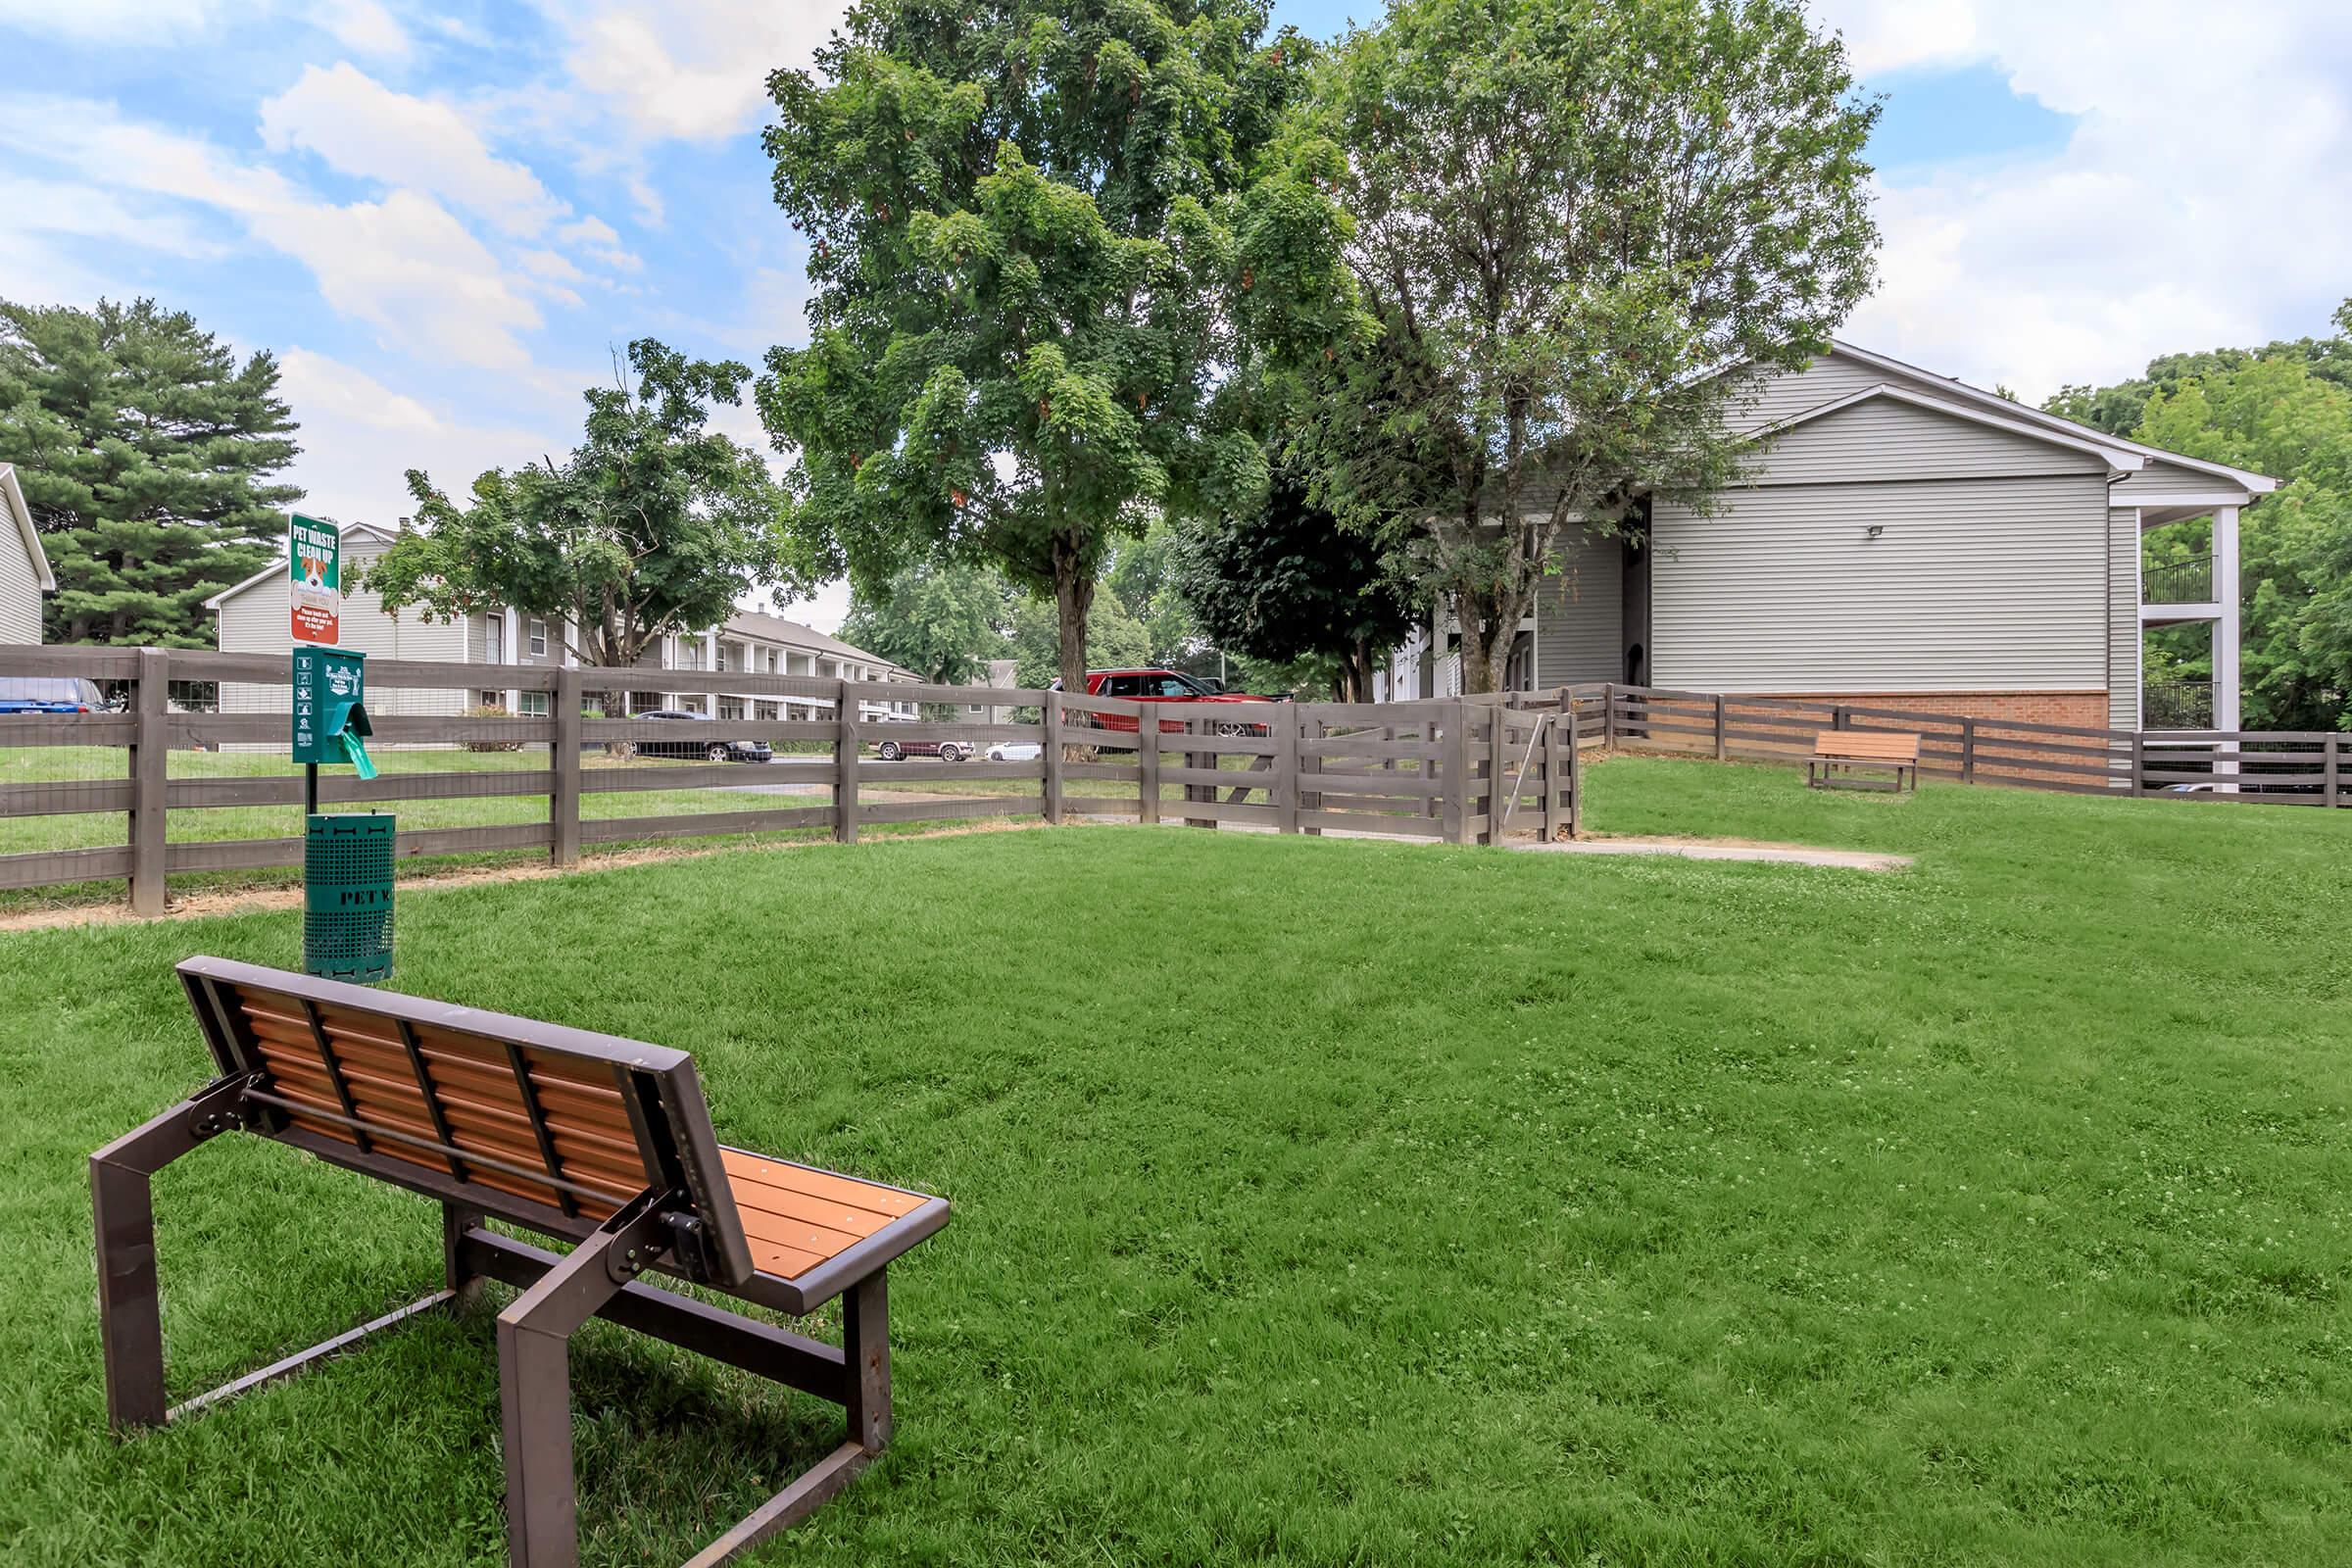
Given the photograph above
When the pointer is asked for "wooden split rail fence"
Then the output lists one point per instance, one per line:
(148, 790)
(2277, 767)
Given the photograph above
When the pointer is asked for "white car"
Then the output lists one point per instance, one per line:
(1015, 751)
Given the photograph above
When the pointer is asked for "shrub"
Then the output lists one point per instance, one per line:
(490, 745)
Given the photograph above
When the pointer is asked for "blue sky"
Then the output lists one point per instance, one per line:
(444, 214)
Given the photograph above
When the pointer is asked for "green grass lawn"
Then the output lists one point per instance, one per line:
(1334, 1202)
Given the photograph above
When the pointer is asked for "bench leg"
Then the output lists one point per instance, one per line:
(865, 1352)
(865, 1346)
(130, 1322)
(534, 1381)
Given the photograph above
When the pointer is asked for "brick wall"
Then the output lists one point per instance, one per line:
(2085, 709)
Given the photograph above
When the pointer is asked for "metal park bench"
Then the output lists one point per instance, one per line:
(1849, 749)
(602, 1141)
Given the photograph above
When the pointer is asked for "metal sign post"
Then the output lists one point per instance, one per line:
(345, 860)
(314, 583)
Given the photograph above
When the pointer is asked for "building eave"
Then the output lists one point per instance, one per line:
(13, 496)
(2118, 460)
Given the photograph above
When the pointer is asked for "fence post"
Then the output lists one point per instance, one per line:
(1289, 765)
(150, 781)
(845, 766)
(1967, 750)
(1147, 763)
(1840, 718)
(2139, 763)
(564, 799)
(2334, 768)
(1608, 715)
(1576, 784)
(1719, 726)
(1551, 770)
(1048, 715)
(1455, 780)
(1314, 729)
(1498, 757)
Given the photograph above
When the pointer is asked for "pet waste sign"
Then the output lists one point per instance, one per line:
(314, 565)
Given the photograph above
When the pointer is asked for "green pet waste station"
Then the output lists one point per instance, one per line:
(346, 858)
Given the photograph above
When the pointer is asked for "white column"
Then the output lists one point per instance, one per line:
(2226, 633)
(513, 657)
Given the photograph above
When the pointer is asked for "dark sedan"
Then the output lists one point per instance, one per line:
(700, 748)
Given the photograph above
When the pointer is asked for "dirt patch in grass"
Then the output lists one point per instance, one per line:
(247, 901)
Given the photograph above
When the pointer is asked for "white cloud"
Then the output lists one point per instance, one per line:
(363, 26)
(403, 265)
(2204, 198)
(359, 436)
(361, 128)
(690, 73)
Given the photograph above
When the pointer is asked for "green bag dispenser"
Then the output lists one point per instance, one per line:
(346, 860)
(331, 708)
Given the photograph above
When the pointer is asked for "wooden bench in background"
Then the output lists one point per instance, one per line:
(602, 1141)
(1851, 748)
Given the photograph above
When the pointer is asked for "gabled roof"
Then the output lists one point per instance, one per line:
(793, 634)
(13, 497)
(2259, 484)
(277, 567)
(2118, 460)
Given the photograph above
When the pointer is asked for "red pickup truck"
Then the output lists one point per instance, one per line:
(1162, 686)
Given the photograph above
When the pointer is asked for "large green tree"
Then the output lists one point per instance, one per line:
(145, 450)
(1568, 216)
(654, 524)
(945, 621)
(1284, 583)
(2286, 411)
(1045, 234)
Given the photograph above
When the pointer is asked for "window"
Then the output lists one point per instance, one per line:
(538, 638)
(827, 668)
(1123, 686)
(494, 639)
(690, 705)
(534, 704)
(644, 702)
(497, 700)
(730, 708)
(1167, 686)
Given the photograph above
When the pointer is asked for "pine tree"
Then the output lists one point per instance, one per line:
(144, 450)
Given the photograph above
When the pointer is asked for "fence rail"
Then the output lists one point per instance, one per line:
(156, 789)
(2276, 768)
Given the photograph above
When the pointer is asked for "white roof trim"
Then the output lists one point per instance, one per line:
(15, 498)
(2117, 459)
(2259, 484)
(277, 567)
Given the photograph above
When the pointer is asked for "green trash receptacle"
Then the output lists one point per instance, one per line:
(346, 897)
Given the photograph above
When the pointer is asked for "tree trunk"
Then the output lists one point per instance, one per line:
(1486, 635)
(1073, 600)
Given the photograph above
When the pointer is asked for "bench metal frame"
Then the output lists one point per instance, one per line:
(660, 1230)
(1821, 773)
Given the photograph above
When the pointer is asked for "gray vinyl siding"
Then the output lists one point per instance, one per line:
(255, 621)
(2123, 619)
(1880, 439)
(2160, 478)
(1578, 626)
(1768, 397)
(1974, 585)
(20, 589)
